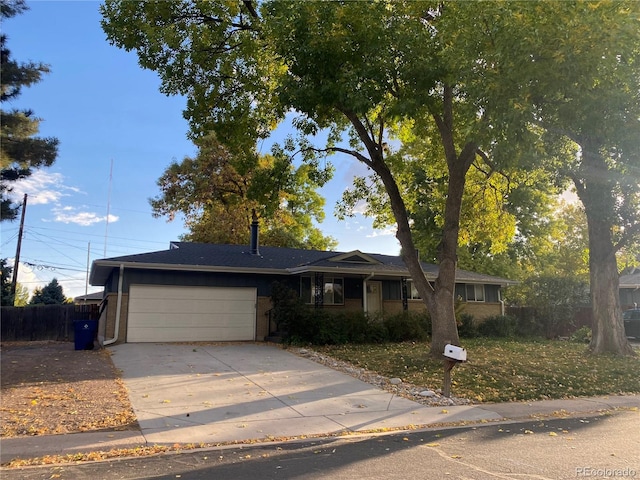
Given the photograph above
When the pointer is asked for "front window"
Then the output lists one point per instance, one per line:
(475, 293)
(332, 293)
(412, 291)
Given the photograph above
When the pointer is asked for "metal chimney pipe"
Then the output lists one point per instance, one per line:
(255, 230)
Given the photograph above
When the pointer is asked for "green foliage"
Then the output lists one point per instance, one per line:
(467, 327)
(218, 191)
(7, 273)
(50, 294)
(304, 324)
(498, 326)
(22, 296)
(582, 335)
(407, 326)
(21, 150)
(461, 112)
(211, 52)
(287, 307)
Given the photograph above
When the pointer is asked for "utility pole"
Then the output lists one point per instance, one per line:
(16, 262)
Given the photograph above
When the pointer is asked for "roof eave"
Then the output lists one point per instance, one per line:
(98, 264)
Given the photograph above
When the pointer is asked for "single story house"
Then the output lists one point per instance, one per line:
(630, 290)
(206, 292)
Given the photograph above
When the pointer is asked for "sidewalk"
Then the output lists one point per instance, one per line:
(415, 417)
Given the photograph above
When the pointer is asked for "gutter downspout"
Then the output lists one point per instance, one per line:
(118, 309)
(364, 292)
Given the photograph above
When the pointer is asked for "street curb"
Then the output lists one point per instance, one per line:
(27, 448)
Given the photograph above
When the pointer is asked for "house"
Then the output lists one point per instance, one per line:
(630, 290)
(89, 299)
(205, 292)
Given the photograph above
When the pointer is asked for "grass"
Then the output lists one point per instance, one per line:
(500, 370)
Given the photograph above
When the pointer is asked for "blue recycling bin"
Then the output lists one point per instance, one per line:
(84, 333)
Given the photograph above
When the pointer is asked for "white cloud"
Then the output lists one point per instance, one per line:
(42, 188)
(383, 233)
(73, 215)
(27, 277)
(360, 207)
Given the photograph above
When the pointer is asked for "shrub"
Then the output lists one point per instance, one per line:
(501, 326)
(466, 326)
(582, 335)
(301, 323)
(407, 326)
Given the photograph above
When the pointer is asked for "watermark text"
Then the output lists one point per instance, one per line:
(591, 472)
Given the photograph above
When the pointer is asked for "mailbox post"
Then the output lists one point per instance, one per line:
(452, 356)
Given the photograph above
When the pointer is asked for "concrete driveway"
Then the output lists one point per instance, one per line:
(231, 393)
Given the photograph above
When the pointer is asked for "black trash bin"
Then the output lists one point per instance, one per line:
(84, 333)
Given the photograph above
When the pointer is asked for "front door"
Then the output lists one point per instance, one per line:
(374, 297)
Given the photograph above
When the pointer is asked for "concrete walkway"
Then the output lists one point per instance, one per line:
(192, 394)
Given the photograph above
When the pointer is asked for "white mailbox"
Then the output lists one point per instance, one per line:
(455, 353)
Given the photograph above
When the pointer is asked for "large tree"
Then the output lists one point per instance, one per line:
(366, 68)
(218, 193)
(21, 150)
(385, 73)
(578, 74)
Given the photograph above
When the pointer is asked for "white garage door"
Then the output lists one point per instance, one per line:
(160, 313)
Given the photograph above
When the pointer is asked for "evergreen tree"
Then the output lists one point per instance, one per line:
(7, 272)
(20, 149)
(50, 294)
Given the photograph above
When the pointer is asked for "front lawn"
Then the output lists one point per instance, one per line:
(500, 370)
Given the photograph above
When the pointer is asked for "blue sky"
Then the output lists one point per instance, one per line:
(110, 116)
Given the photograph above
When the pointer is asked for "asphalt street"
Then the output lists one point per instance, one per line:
(600, 446)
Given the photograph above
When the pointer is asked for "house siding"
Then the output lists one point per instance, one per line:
(479, 310)
(107, 321)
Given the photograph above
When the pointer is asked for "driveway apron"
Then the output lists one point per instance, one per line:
(200, 393)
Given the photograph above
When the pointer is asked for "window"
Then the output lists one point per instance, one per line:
(412, 291)
(475, 293)
(333, 292)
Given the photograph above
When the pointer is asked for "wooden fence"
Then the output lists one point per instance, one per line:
(583, 316)
(44, 322)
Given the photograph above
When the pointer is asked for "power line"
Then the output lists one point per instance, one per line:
(61, 253)
(96, 235)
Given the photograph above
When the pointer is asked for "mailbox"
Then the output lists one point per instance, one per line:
(455, 353)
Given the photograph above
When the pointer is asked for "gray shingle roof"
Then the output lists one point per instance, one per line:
(630, 281)
(204, 256)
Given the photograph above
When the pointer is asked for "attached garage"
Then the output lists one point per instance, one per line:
(170, 313)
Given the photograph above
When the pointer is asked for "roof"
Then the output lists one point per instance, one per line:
(630, 281)
(186, 256)
(89, 297)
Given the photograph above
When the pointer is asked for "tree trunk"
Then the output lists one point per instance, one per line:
(596, 193)
(608, 328)
(439, 298)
